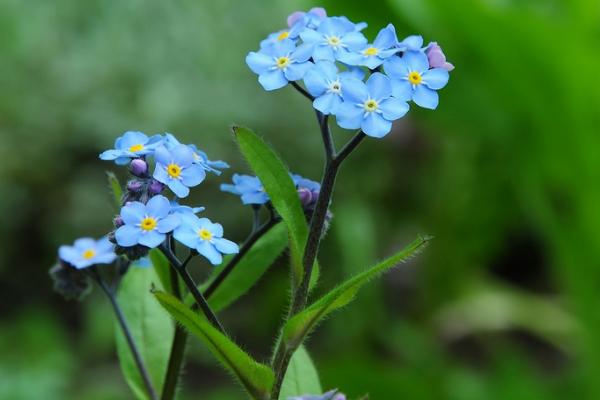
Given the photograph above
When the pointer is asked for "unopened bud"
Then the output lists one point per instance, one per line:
(138, 167)
(134, 186)
(118, 221)
(305, 195)
(155, 187)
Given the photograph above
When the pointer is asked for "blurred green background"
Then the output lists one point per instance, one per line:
(506, 174)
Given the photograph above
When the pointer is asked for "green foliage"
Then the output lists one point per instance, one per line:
(115, 189)
(256, 378)
(162, 268)
(150, 326)
(301, 376)
(301, 324)
(249, 269)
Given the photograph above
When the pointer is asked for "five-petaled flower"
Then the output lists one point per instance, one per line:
(200, 157)
(131, 145)
(205, 237)
(249, 188)
(176, 169)
(146, 224)
(279, 63)
(86, 252)
(373, 55)
(370, 106)
(334, 38)
(413, 80)
(325, 84)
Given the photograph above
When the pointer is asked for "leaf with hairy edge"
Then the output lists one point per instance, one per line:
(256, 378)
(301, 324)
(115, 188)
(150, 326)
(249, 270)
(278, 184)
(301, 376)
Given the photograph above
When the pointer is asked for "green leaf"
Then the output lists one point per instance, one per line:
(300, 325)
(162, 268)
(301, 376)
(150, 326)
(278, 184)
(249, 270)
(115, 188)
(256, 378)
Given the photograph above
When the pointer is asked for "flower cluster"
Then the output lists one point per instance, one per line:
(365, 85)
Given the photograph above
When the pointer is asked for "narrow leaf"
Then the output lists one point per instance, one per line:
(150, 326)
(278, 184)
(256, 378)
(115, 189)
(300, 325)
(301, 377)
(249, 269)
(162, 268)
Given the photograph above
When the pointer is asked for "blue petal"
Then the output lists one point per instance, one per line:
(178, 188)
(160, 173)
(372, 62)
(84, 244)
(193, 175)
(152, 239)
(379, 86)
(255, 198)
(302, 53)
(349, 116)
(209, 251)
(314, 80)
(297, 71)
(310, 36)
(393, 108)
(273, 79)
(68, 254)
(351, 58)
(426, 97)
(327, 103)
(158, 206)
(386, 38)
(323, 53)
(354, 40)
(127, 235)
(123, 160)
(416, 61)
(354, 91)
(187, 236)
(162, 155)
(258, 62)
(436, 78)
(413, 42)
(168, 223)
(182, 155)
(376, 126)
(131, 138)
(396, 67)
(110, 154)
(402, 89)
(227, 187)
(216, 229)
(226, 246)
(104, 245)
(132, 213)
(106, 258)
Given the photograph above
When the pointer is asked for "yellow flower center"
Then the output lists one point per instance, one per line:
(334, 41)
(205, 234)
(371, 51)
(136, 147)
(174, 170)
(89, 253)
(282, 62)
(148, 224)
(283, 35)
(370, 105)
(415, 78)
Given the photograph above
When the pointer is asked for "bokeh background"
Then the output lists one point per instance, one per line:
(505, 174)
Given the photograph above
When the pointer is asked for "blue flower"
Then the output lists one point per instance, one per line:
(411, 43)
(413, 80)
(131, 145)
(333, 39)
(303, 183)
(248, 187)
(370, 106)
(146, 224)
(200, 157)
(86, 252)
(205, 237)
(311, 19)
(373, 55)
(324, 83)
(279, 63)
(176, 169)
(292, 33)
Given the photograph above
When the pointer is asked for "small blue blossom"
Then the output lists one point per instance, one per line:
(176, 169)
(334, 38)
(370, 106)
(249, 188)
(131, 145)
(86, 252)
(200, 157)
(279, 63)
(325, 84)
(413, 80)
(205, 237)
(293, 33)
(146, 224)
(373, 55)
(411, 43)
(311, 19)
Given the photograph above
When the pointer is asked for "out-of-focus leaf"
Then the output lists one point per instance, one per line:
(301, 377)
(162, 268)
(115, 189)
(150, 326)
(256, 378)
(300, 325)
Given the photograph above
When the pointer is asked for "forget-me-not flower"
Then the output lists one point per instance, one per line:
(205, 237)
(411, 43)
(178, 208)
(334, 38)
(325, 84)
(370, 106)
(200, 157)
(131, 145)
(373, 55)
(176, 169)
(310, 19)
(146, 224)
(279, 63)
(249, 188)
(413, 80)
(86, 252)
